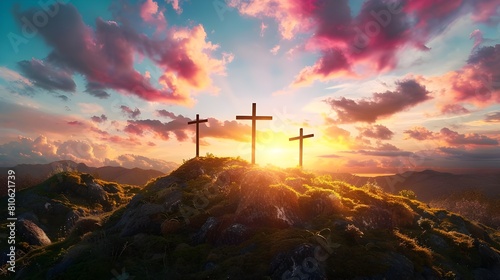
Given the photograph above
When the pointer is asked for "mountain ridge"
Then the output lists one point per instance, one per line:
(28, 175)
(222, 218)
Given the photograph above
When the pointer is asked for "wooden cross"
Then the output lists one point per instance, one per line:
(300, 138)
(197, 122)
(254, 119)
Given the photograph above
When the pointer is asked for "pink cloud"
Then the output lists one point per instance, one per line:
(105, 57)
(151, 14)
(175, 5)
(477, 82)
(370, 40)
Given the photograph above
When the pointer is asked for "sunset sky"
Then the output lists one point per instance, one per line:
(385, 86)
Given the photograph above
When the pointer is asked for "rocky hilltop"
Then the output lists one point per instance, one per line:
(222, 218)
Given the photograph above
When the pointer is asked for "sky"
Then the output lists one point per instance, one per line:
(385, 86)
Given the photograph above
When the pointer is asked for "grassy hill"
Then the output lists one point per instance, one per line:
(221, 218)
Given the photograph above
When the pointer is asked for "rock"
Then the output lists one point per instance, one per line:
(170, 226)
(139, 220)
(399, 267)
(489, 257)
(264, 202)
(298, 263)
(437, 241)
(32, 234)
(208, 226)
(233, 235)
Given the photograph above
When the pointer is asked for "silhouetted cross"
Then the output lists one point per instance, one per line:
(254, 119)
(301, 137)
(197, 122)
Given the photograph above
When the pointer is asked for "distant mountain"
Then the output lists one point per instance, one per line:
(28, 175)
(429, 185)
(223, 218)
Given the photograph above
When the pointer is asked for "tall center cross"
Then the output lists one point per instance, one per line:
(254, 119)
(197, 122)
(301, 138)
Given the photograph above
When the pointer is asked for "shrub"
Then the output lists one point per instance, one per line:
(408, 194)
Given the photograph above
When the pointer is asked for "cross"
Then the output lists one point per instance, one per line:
(254, 119)
(300, 138)
(197, 122)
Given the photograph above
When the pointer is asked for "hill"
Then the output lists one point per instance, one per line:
(222, 218)
(428, 185)
(28, 175)
(67, 202)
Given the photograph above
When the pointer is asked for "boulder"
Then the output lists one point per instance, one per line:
(31, 233)
(297, 263)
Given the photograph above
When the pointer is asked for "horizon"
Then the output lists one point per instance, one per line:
(385, 88)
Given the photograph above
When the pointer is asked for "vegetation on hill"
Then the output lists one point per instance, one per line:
(222, 218)
(65, 203)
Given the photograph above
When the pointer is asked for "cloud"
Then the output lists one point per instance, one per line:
(454, 138)
(489, 154)
(450, 137)
(129, 112)
(376, 131)
(454, 109)
(275, 49)
(99, 119)
(175, 5)
(22, 119)
(43, 150)
(13, 76)
(493, 117)
(477, 35)
(104, 56)
(76, 123)
(96, 90)
(232, 130)
(151, 14)
(178, 127)
(419, 133)
(165, 113)
(47, 76)
(408, 93)
(477, 82)
(371, 39)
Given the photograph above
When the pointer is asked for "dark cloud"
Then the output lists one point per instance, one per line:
(129, 112)
(376, 131)
(493, 117)
(99, 119)
(407, 94)
(97, 90)
(454, 138)
(47, 76)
